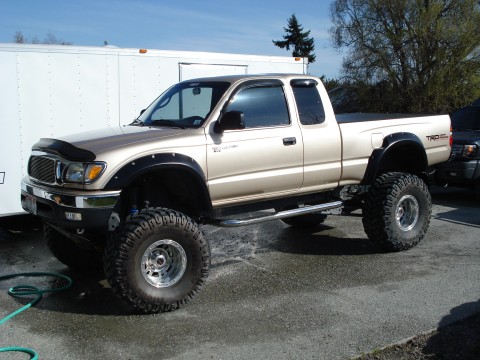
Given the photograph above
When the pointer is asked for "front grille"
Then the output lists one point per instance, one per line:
(42, 169)
(457, 149)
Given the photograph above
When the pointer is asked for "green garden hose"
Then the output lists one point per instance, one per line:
(19, 291)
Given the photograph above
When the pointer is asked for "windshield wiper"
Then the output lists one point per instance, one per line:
(163, 122)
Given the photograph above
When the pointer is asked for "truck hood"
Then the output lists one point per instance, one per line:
(101, 140)
(466, 136)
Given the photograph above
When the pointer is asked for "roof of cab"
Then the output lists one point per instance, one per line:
(235, 78)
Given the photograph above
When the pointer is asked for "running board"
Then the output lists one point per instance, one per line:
(279, 215)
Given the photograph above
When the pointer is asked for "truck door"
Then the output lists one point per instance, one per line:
(265, 158)
(321, 137)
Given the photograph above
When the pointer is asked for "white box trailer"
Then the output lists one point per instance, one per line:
(53, 90)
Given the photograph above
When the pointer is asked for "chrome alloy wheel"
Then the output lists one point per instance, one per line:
(164, 263)
(407, 212)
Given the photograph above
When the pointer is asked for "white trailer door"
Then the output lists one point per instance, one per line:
(10, 140)
(192, 71)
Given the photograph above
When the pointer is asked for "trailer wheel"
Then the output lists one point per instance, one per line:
(305, 221)
(396, 212)
(69, 253)
(158, 262)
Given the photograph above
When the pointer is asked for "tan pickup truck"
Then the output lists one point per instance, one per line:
(224, 151)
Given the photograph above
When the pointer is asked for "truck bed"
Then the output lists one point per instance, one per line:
(362, 133)
(360, 117)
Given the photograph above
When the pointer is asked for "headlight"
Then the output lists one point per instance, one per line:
(469, 151)
(83, 173)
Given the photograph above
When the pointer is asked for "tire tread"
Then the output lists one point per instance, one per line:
(379, 202)
(119, 247)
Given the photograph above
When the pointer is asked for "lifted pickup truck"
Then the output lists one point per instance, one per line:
(220, 151)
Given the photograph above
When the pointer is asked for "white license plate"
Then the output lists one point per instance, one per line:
(30, 204)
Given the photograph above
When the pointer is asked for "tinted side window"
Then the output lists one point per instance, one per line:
(262, 106)
(309, 105)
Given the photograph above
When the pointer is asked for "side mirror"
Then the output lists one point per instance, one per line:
(232, 120)
(141, 112)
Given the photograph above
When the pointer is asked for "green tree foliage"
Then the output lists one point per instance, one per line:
(298, 39)
(410, 55)
(49, 39)
(329, 84)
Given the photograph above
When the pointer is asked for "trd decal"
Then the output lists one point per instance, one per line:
(437, 137)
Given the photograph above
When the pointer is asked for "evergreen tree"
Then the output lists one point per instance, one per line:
(298, 39)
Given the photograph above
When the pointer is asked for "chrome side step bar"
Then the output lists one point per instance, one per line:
(279, 215)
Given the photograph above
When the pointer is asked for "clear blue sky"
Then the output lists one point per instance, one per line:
(244, 27)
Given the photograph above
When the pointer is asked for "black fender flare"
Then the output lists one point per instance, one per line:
(381, 158)
(145, 164)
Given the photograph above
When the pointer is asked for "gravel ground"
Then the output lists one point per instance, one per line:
(457, 341)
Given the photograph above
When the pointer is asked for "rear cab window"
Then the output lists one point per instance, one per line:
(309, 103)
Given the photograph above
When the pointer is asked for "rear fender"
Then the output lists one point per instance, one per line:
(399, 152)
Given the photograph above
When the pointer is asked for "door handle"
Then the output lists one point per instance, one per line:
(289, 141)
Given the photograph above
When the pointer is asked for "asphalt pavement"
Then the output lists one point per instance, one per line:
(273, 293)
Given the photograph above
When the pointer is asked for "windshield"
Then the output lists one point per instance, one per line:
(466, 119)
(184, 105)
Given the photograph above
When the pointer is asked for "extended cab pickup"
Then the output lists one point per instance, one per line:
(222, 151)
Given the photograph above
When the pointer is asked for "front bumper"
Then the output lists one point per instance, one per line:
(68, 208)
(460, 173)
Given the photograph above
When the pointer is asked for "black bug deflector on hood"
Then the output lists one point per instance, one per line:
(64, 149)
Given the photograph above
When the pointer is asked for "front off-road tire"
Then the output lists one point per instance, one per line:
(396, 212)
(158, 261)
(70, 253)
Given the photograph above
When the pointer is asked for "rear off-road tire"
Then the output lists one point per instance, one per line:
(158, 261)
(397, 210)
